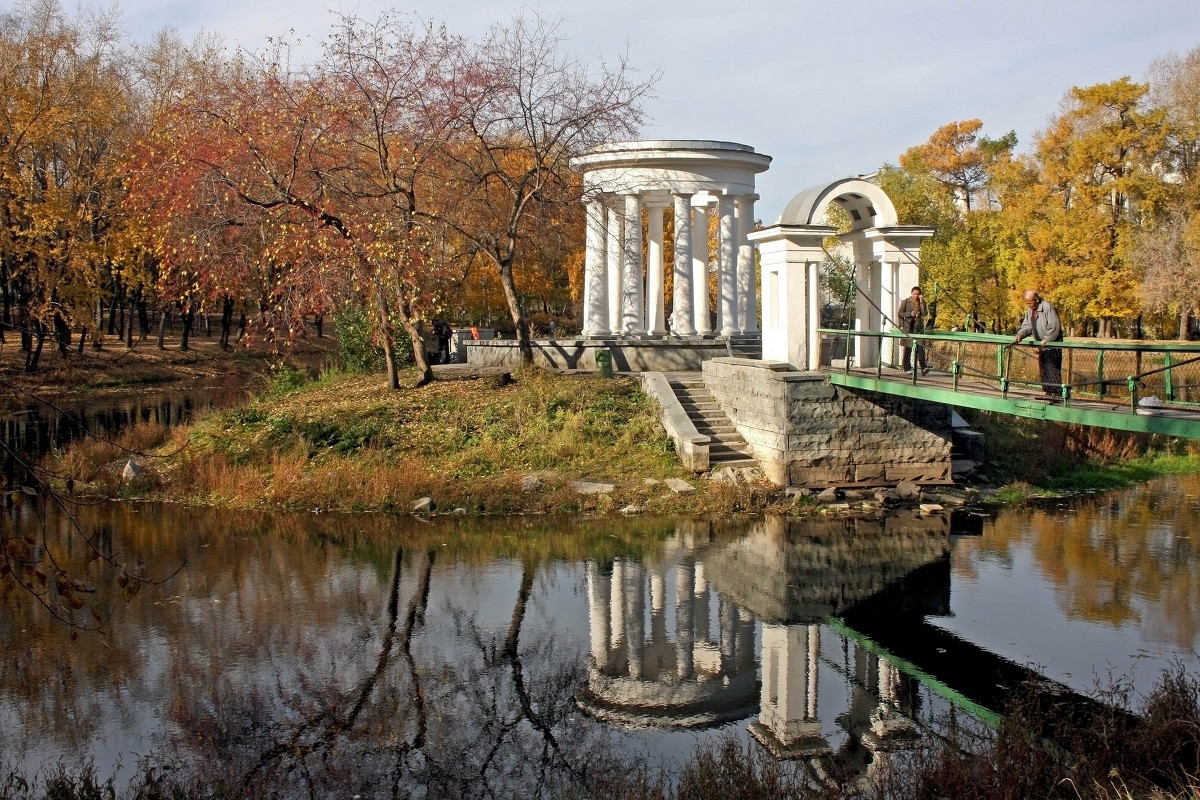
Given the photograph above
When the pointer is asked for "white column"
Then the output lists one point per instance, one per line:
(814, 315)
(655, 301)
(633, 312)
(681, 315)
(746, 284)
(726, 266)
(616, 235)
(700, 270)
(595, 271)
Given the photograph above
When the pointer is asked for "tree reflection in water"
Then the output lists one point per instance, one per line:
(339, 656)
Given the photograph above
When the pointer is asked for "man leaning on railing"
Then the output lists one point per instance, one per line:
(1041, 322)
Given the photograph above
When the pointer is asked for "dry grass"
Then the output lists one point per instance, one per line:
(347, 443)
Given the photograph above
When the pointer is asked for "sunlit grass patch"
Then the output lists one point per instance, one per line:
(347, 442)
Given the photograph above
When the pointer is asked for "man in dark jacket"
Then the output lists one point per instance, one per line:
(912, 320)
(1041, 322)
(441, 329)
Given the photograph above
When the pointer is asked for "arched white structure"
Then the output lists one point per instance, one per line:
(691, 178)
(791, 252)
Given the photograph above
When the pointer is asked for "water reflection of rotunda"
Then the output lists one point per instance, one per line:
(686, 671)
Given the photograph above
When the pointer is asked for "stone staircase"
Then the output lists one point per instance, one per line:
(743, 346)
(727, 448)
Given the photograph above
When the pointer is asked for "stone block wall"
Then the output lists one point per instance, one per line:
(807, 432)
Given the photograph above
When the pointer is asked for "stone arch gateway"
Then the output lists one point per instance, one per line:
(792, 251)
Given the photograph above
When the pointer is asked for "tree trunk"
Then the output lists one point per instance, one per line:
(112, 310)
(143, 316)
(34, 353)
(130, 318)
(389, 343)
(82, 338)
(319, 322)
(1185, 322)
(226, 321)
(162, 327)
(62, 336)
(188, 317)
(241, 326)
(518, 313)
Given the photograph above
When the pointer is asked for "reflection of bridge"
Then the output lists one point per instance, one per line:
(1146, 387)
(841, 603)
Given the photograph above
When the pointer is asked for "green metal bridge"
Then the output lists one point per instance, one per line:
(1140, 386)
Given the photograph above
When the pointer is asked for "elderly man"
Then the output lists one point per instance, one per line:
(1041, 322)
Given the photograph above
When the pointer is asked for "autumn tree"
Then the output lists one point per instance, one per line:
(1168, 252)
(946, 183)
(1089, 185)
(957, 157)
(528, 108)
(62, 127)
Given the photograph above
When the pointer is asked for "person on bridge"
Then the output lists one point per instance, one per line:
(912, 320)
(1041, 322)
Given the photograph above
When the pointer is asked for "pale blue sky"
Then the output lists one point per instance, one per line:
(829, 88)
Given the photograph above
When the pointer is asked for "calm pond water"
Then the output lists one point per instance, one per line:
(464, 657)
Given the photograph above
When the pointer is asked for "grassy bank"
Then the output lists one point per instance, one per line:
(346, 443)
(1029, 458)
(485, 446)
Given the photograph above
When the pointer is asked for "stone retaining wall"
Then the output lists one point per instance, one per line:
(628, 355)
(807, 432)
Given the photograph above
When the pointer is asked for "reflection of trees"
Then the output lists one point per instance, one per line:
(477, 724)
(1129, 559)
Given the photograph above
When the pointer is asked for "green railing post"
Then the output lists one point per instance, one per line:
(1100, 387)
(1170, 384)
(1005, 364)
(954, 369)
(1000, 362)
(879, 357)
(1132, 381)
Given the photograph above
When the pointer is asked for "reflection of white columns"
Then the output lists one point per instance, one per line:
(700, 269)
(616, 236)
(787, 720)
(681, 299)
(658, 608)
(744, 650)
(700, 589)
(727, 633)
(633, 320)
(655, 320)
(617, 618)
(599, 589)
(726, 266)
(685, 613)
(595, 286)
(747, 304)
(635, 619)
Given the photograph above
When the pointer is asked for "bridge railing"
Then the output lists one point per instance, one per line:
(1134, 373)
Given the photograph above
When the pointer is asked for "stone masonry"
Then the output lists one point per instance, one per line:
(807, 432)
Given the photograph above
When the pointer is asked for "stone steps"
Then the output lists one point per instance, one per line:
(746, 347)
(727, 448)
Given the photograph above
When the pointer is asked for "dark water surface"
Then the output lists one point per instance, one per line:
(358, 654)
